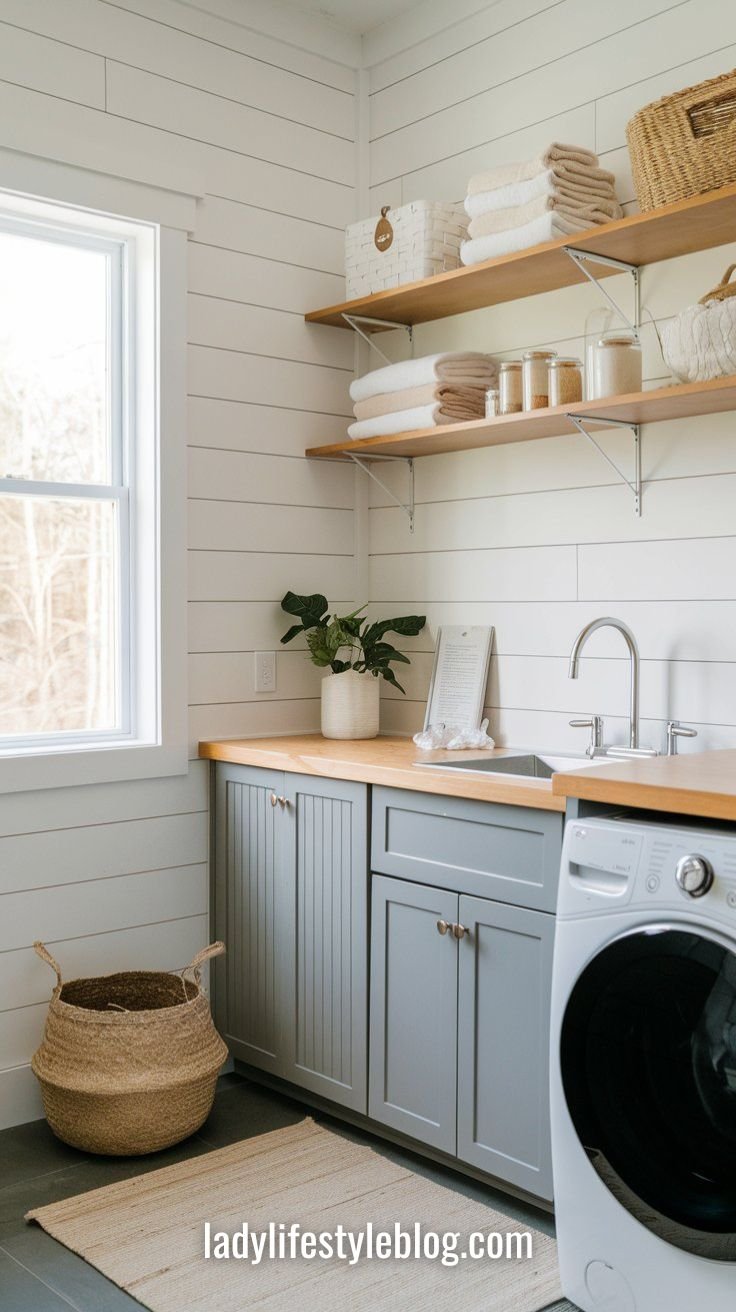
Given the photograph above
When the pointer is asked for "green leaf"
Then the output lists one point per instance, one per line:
(408, 626)
(293, 631)
(324, 644)
(310, 610)
(390, 677)
(339, 667)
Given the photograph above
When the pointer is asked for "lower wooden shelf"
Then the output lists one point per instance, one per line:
(681, 401)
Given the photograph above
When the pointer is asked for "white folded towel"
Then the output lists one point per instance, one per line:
(469, 368)
(546, 228)
(548, 183)
(573, 159)
(600, 211)
(402, 421)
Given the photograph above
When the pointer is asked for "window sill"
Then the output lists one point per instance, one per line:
(27, 771)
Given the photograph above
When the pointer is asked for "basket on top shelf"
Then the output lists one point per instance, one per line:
(685, 143)
(403, 245)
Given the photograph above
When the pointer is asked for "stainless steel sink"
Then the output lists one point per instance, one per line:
(525, 765)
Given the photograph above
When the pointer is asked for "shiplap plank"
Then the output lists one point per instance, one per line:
(243, 576)
(253, 719)
(168, 945)
(72, 856)
(235, 376)
(32, 61)
(231, 326)
(230, 677)
(256, 527)
(531, 574)
(20, 1097)
(101, 804)
(575, 79)
(255, 281)
(273, 236)
(239, 426)
(510, 53)
(697, 567)
(202, 116)
(233, 626)
(269, 479)
(21, 1032)
(107, 904)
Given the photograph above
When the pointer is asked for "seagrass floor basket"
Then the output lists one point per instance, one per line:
(684, 144)
(129, 1062)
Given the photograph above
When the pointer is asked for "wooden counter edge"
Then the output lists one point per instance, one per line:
(645, 796)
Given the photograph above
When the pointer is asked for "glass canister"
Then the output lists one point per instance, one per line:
(598, 324)
(509, 383)
(565, 380)
(492, 402)
(617, 367)
(535, 379)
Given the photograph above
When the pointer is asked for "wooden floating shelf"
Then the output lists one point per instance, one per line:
(696, 224)
(682, 401)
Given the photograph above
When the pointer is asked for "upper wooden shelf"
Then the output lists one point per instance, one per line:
(690, 225)
(681, 401)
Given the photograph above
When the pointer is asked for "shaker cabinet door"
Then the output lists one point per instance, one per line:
(326, 839)
(251, 915)
(505, 965)
(414, 1011)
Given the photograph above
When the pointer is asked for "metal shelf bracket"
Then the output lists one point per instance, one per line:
(355, 321)
(583, 258)
(364, 462)
(580, 422)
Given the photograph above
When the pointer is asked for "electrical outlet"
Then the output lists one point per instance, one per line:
(265, 674)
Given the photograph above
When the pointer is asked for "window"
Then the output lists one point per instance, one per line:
(80, 475)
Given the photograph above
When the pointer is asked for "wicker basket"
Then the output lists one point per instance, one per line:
(684, 144)
(128, 1062)
(403, 245)
(700, 342)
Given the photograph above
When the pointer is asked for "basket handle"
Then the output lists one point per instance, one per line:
(723, 290)
(46, 956)
(213, 950)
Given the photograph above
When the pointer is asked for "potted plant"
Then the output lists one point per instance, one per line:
(356, 655)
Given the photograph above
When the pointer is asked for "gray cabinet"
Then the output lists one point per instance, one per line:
(413, 1012)
(505, 969)
(290, 903)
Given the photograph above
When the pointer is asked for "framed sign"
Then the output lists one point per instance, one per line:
(461, 661)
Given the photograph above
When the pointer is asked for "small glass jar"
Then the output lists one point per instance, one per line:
(492, 402)
(536, 379)
(565, 380)
(617, 367)
(509, 383)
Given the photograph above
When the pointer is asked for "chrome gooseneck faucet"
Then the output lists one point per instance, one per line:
(630, 640)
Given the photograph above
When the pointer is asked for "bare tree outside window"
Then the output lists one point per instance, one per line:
(59, 577)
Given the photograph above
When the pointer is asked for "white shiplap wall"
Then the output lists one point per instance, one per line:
(165, 93)
(538, 538)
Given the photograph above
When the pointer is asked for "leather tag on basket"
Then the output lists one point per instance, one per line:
(723, 290)
(384, 234)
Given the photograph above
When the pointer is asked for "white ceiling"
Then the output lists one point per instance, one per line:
(357, 16)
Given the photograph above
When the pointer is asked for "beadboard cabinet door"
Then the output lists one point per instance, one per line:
(504, 982)
(326, 854)
(413, 1011)
(252, 916)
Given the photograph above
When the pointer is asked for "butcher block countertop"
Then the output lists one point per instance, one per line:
(386, 761)
(696, 783)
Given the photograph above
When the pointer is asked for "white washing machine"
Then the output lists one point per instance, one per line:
(643, 1066)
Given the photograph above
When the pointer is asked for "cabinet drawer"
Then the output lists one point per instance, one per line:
(508, 853)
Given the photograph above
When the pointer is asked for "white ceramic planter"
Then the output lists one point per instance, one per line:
(350, 705)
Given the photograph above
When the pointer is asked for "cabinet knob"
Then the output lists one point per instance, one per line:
(282, 801)
(273, 799)
(442, 926)
(459, 931)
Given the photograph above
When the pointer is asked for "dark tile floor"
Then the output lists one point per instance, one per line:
(39, 1275)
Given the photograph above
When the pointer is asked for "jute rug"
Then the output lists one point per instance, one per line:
(148, 1234)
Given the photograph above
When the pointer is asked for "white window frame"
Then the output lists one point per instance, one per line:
(150, 490)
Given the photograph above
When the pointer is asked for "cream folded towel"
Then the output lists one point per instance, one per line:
(547, 227)
(556, 156)
(403, 421)
(465, 368)
(502, 220)
(548, 183)
(454, 402)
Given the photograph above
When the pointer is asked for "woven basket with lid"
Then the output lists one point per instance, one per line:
(685, 143)
(129, 1062)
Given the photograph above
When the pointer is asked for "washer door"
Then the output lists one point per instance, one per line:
(648, 1056)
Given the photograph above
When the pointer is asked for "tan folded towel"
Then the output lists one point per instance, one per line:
(501, 220)
(464, 368)
(557, 156)
(455, 402)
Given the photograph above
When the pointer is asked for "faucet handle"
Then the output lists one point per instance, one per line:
(676, 730)
(595, 724)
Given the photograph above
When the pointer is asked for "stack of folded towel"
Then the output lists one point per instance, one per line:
(514, 206)
(436, 389)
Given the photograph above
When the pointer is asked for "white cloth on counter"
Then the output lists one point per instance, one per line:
(547, 227)
(401, 421)
(468, 368)
(453, 739)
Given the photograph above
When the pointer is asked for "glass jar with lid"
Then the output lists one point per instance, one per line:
(565, 380)
(509, 383)
(535, 379)
(492, 402)
(617, 367)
